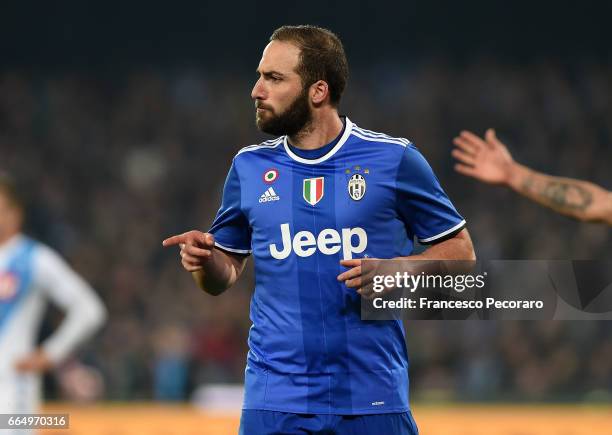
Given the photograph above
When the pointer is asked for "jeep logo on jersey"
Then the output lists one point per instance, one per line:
(357, 187)
(329, 242)
(313, 190)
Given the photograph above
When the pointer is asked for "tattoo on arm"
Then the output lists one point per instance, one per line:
(560, 195)
(568, 196)
(527, 185)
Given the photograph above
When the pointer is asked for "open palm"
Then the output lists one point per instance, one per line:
(487, 159)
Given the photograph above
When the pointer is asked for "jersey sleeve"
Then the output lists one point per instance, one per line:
(422, 203)
(84, 310)
(231, 227)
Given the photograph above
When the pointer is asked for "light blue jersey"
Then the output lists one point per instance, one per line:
(31, 275)
(299, 213)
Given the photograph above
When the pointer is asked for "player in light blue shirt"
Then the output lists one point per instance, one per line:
(32, 275)
(308, 205)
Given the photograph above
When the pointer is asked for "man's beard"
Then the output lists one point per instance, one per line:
(291, 121)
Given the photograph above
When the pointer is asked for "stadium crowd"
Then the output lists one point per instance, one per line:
(109, 166)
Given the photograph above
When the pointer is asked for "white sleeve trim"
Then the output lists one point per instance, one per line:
(237, 251)
(444, 233)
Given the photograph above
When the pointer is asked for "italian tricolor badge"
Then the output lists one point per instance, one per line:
(313, 190)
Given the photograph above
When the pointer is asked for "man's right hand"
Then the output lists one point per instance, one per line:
(196, 248)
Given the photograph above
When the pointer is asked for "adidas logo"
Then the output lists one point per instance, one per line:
(269, 195)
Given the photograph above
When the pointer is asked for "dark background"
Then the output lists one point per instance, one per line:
(228, 36)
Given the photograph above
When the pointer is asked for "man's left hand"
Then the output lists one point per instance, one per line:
(353, 277)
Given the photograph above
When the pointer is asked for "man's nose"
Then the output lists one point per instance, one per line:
(258, 92)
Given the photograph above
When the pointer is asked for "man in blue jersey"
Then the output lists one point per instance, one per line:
(309, 205)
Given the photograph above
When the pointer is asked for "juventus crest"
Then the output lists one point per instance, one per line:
(357, 187)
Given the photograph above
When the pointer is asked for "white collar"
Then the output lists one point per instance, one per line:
(347, 132)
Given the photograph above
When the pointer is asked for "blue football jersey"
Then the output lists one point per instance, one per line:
(299, 214)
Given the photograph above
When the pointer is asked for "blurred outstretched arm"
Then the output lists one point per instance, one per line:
(488, 160)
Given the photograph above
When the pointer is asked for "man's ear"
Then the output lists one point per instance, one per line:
(319, 92)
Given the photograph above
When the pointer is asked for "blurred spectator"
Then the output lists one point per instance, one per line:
(171, 364)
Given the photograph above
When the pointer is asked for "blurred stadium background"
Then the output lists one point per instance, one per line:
(120, 122)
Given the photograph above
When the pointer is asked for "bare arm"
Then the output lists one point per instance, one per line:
(490, 161)
(220, 273)
(578, 199)
(212, 269)
(458, 247)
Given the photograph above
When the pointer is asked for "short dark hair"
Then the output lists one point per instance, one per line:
(322, 57)
(8, 187)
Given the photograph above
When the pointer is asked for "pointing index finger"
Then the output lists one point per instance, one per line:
(174, 240)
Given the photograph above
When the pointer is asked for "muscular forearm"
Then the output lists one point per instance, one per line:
(457, 248)
(578, 199)
(219, 273)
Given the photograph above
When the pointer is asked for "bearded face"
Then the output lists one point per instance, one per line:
(280, 95)
(286, 122)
